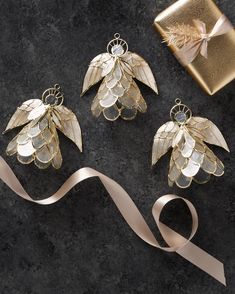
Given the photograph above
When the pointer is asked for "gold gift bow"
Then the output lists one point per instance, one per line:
(132, 216)
(190, 51)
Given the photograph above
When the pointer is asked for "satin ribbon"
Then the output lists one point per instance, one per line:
(132, 216)
(190, 51)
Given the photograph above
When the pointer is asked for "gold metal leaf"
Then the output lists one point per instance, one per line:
(207, 131)
(96, 108)
(141, 70)
(163, 140)
(66, 121)
(20, 117)
(95, 71)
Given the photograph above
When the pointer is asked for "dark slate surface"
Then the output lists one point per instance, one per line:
(81, 244)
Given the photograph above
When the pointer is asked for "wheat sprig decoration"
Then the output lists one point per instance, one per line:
(180, 34)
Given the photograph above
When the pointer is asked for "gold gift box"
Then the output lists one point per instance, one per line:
(214, 72)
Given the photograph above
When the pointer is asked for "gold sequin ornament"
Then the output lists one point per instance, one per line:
(38, 141)
(191, 158)
(118, 94)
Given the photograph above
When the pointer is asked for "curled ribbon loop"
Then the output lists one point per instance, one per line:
(190, 51)
(132, 216)
(173, 240)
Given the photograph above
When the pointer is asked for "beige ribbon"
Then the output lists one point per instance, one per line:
(190, 51)
(132, 216)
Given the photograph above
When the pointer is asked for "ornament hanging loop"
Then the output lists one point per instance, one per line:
(178, 101)
(180, 113)
(53, 96)
(117, 36)
(117, 46)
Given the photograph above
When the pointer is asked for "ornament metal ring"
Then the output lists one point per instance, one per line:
(54, 92)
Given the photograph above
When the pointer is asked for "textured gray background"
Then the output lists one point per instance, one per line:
(82, 244)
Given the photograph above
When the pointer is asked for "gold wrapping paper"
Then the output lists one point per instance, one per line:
(218, 69)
